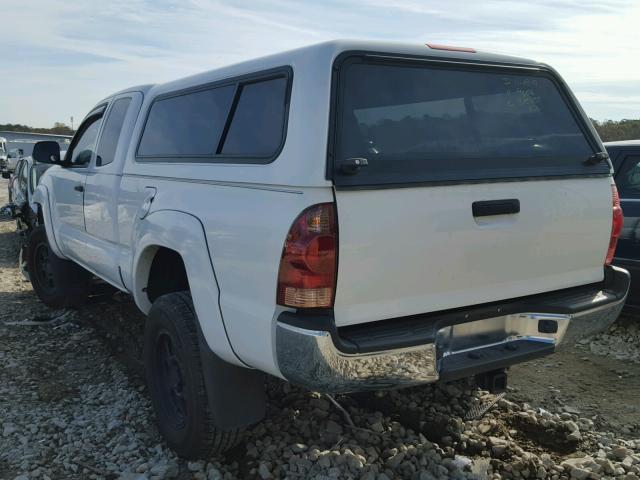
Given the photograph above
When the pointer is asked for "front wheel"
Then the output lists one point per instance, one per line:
(58, 283)
(175, 377)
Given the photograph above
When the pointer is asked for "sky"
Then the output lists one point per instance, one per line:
(61, 57)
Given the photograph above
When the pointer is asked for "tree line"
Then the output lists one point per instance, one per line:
(57, 129)
(609, 130)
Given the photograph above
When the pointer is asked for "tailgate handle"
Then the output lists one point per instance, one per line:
(496, 207)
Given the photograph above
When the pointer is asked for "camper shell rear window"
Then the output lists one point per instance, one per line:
(424, 121)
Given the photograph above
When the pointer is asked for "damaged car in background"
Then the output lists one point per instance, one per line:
(21, 207)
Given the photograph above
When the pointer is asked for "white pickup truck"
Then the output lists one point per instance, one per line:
(348, 216)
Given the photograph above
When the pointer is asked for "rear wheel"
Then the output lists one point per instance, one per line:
(174, 374)
(57, 282)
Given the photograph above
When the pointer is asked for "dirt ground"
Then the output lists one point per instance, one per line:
(601, 388)
(73, 405)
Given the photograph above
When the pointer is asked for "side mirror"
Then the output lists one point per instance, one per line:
(6, 175)
(46, 152)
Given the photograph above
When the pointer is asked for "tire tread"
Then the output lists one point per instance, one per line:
(179, 306)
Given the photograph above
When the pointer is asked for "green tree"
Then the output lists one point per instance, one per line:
(611, 130)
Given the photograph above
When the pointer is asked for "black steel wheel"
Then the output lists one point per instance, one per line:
(173, 369)
(43, 268)
(57, 282)
(170, 380)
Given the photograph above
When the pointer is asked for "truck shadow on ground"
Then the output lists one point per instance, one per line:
(9, 245)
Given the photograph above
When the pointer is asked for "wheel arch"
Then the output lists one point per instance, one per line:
(41, 200)
(179, 237)
(165, 271)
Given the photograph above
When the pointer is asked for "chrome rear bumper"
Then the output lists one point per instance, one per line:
(310, 358)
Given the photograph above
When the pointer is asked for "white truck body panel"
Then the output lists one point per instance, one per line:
(244, 242)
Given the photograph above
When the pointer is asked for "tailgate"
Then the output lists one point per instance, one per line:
(418, 250)
(437, 140)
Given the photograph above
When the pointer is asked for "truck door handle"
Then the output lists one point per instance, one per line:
(79, 188)
(496, 207)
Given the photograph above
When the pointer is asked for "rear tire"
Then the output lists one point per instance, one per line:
(58, 283)
(175, 378)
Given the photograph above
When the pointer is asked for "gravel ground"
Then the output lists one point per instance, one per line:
(620, 342)
(73, 406)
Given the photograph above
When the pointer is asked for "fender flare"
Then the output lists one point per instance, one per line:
(236, 394)
(183, 233)
(41, 198)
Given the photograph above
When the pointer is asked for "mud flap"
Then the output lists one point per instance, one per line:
(237, 396)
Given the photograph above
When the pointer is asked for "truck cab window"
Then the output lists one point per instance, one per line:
(111, 132)
(81, 153)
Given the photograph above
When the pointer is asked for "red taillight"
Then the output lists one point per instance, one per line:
(307, 273)
(616, 225)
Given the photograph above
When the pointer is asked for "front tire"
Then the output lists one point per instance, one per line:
(22, 261)
(58, 283)
(175, 378)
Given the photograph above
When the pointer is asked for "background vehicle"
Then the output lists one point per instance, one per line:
(13, 156)
(22, 185)
(348, 216)
(625, 156)
(21, 143)
(3, 153)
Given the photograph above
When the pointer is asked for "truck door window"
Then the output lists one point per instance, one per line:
(628, 178)
(81, 152)
(111, 131)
